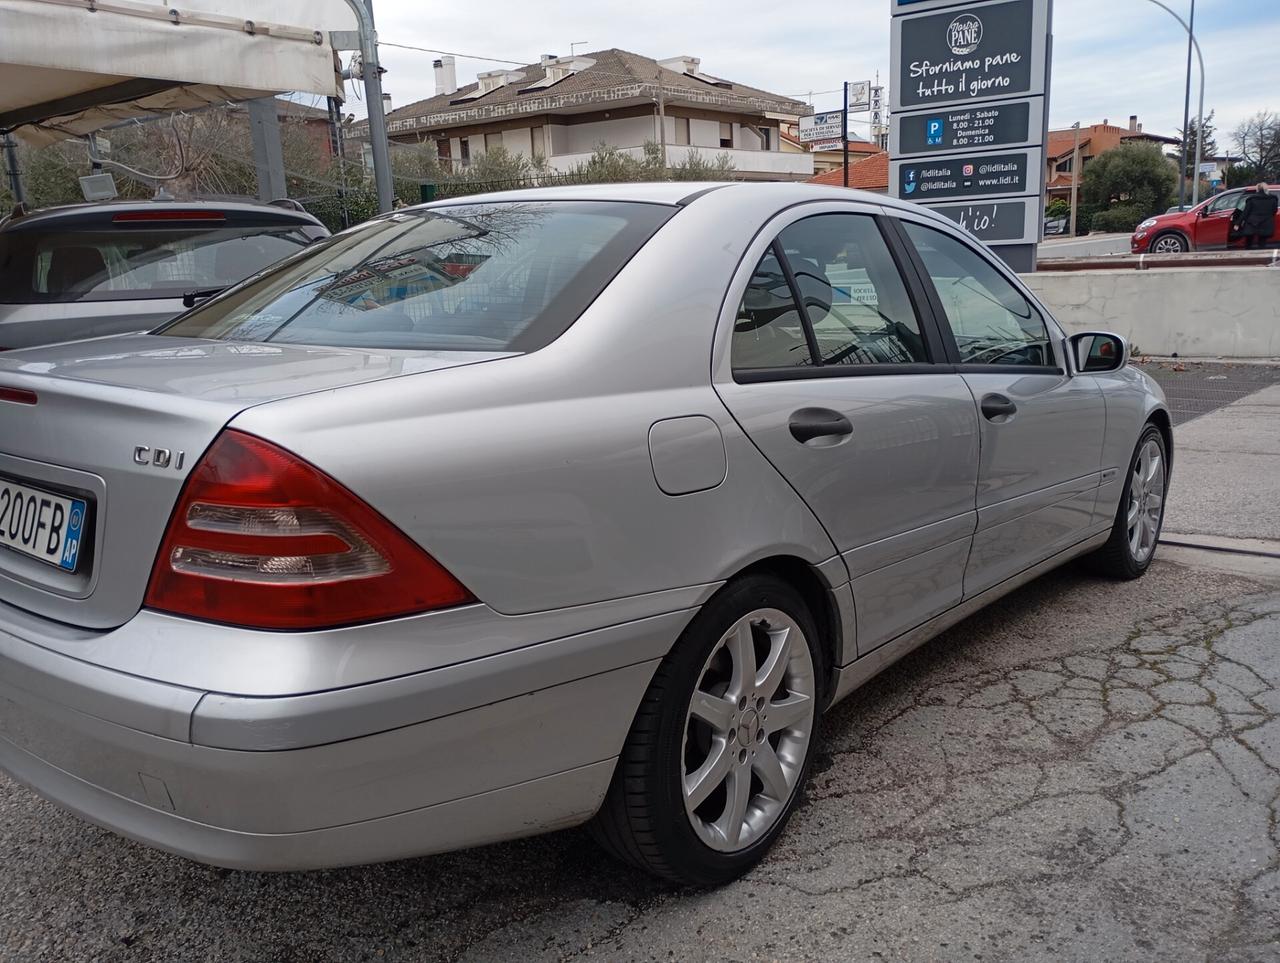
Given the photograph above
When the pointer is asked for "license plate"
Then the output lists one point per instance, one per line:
(41, 525)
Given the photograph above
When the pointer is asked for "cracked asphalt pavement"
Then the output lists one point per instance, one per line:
(1087, 770)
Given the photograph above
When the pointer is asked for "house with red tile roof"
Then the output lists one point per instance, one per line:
(1095, 140)
(867, 174)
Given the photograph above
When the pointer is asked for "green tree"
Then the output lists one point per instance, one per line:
(1135, 180)
(1188, 140)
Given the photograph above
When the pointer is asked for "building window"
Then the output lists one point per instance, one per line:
(492, 141)
(444, 154)
(726, 135)
(538, 142)
(766, 138)
(465, 152)
(682, 130)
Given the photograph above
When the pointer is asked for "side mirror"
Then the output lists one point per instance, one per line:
(1098, 351)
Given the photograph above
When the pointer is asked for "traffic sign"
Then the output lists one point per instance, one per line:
(859, 96)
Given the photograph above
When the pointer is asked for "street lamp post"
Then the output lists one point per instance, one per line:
(1075, 176)
(1195, 189)
(372, 77)
(1186, 116)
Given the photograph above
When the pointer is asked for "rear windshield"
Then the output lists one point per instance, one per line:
(503, 276)
(128, 263)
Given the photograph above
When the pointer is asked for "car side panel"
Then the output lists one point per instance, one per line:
(533, 482)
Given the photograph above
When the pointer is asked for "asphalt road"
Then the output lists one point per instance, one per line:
(1086, 771)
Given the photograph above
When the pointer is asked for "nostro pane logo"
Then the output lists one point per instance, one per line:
(964, 34)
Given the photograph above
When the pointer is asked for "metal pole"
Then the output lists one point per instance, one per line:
(1075, 177)
(371, 70)
(15, 175)
(1186, 115)
(662, 120)
(844, 132)
(1195, 190)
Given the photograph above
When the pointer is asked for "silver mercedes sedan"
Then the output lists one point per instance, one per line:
(501, 515)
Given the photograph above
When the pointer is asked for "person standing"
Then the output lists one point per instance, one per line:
(1258, 217)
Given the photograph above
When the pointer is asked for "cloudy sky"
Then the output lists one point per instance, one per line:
(1112, 58)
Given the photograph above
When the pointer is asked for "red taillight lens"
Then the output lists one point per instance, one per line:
(19, 396)
(260, 538)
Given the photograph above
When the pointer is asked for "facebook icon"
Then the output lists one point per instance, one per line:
(933, 131)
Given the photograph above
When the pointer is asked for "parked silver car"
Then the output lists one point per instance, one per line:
(88, 270)
(501, 515)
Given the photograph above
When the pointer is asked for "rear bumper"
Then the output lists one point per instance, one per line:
(483, 764)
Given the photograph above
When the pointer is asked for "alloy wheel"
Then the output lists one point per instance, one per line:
(1146, 501)
(747, 730)
(1169, 244)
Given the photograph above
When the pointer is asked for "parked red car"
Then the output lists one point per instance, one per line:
(1205, 227)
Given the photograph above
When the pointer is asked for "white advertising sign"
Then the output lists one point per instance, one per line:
(828, 126)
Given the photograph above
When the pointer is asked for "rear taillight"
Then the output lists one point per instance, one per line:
(262, 539)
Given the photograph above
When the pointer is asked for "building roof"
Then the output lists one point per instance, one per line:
(1063, 142)
(612, 76)
(869, 174)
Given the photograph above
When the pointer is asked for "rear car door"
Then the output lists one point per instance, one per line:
(835, 371)
(1041, 428)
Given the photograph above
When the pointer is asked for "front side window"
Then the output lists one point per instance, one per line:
(991, 321)
(1225, 202)
(480, 277)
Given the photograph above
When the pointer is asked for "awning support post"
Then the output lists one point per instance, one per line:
(268, 157)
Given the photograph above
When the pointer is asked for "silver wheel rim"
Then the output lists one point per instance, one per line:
(747, 730)
(1167, 245)
(1146, 501)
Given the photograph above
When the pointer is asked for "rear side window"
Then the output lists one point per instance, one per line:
(504, 276)
(852, 300)
(135, 264)
(992, 322)
(853, 295)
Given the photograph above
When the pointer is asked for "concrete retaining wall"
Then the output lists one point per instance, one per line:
(1196, 312)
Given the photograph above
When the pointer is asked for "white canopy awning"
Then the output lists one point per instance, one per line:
(70, 67)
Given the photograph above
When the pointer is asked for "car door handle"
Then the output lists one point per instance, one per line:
(997, 407)
(810, 423)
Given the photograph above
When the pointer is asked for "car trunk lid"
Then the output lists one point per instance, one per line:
(118, 424)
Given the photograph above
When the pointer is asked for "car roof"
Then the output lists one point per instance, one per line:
(50, 216)
(686, 192)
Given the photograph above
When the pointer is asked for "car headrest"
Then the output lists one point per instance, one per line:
(815, 287)
(238, 258)
(75, 268)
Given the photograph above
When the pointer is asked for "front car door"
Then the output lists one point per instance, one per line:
(1041, 428)
(1213, 225)
(846, 398)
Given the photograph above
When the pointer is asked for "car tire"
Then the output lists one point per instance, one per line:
(658, 814)
(1169, 243)
(1127, 555)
